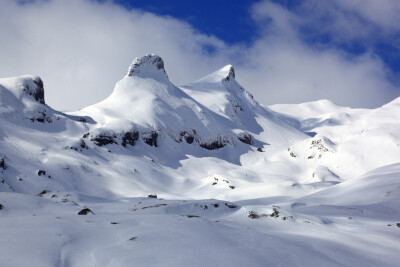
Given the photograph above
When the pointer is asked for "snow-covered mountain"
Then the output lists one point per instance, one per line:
(236, 182)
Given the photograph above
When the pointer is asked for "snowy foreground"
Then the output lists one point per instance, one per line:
(197, 175)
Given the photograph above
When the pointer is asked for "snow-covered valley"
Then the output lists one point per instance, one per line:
(195, 175)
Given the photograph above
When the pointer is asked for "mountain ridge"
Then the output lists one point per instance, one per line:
(155, 170)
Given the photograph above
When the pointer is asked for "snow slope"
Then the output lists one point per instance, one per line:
(358, 140)
(236, 183)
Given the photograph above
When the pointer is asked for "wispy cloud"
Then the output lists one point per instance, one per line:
(286, 67)
(81, 48)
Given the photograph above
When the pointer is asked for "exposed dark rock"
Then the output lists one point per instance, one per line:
(2, 164)
(38, 94)
(85, 211)
(236, 107)
(292, 154)
(104, 139)
(260, 149)
(192, 216)
(275, 214)
(214, 183)
(83, 144)
(189, 138)
(86, 135)
(129, 138)
(231, 74)
(133, 238)
(159, 63)
(319, 144)
(43, 193)
(41, 172)
(215, 205)
(232, 187)
(154, 206)
(245, 138)
(150, 138)
(231, 206)
(213, 145)
(204, 207)
(398, 225)
(150, 61)
(254, 215)
(115, 223)
(1, 207)
(152, 196)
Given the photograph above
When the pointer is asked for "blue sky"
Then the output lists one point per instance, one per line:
(231, 21)
(228, 20)
(283, 51)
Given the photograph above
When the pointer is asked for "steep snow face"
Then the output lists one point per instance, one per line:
(149, 66)
(146, 128)
(226, 73)
(356, 134)
(23, 87)
(289, 177)
(221, 93)
(22, 103)
(22, 97)
(146, 101)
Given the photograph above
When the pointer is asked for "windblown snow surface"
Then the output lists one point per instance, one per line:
(197, 175)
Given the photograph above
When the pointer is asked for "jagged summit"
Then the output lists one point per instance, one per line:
(221, 93)
(23, 97)
(27, 86)
(231, 72)
(148, 66)
(154, 161)
(211, 114)
(225, 73)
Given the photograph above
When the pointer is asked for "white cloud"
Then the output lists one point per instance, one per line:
(347, 21)
(81, 48)
(285, 69)
(383, 13)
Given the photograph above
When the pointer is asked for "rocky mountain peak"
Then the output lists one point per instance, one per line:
(148, 66)
(230, 72)
(224, 74)
(38, 90)
(25, 86)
